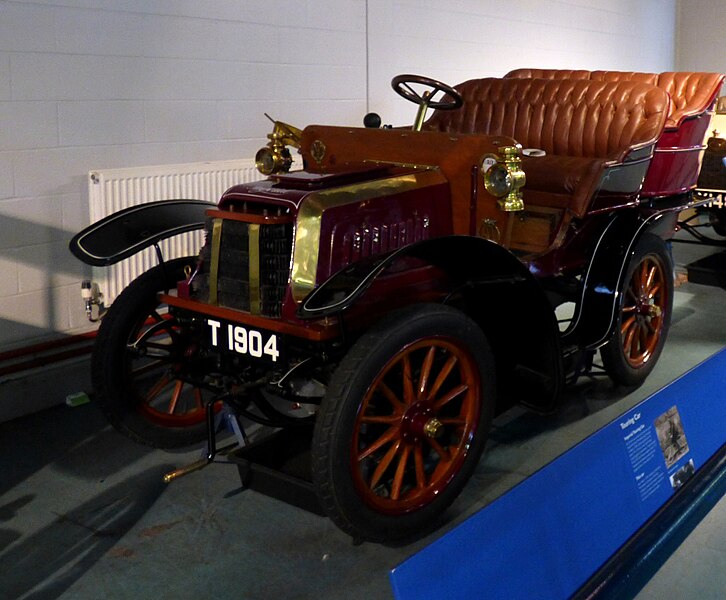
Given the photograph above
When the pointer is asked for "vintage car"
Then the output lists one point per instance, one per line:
(407, 284)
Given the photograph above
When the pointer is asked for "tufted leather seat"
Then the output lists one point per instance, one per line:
(584, 126)
(676, 164)
(691, 93)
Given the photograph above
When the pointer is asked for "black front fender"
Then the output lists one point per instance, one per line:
(468, 260)
(494, 288)
(129, 231)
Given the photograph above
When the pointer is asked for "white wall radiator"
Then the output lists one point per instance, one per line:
(115, 189)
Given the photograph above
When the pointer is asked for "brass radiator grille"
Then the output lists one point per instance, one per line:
(245, 266)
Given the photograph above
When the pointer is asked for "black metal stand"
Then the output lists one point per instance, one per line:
(279, 466)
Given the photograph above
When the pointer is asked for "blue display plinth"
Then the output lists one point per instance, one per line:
(548, 535)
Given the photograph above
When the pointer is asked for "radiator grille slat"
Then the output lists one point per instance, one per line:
(266, 254)
(115, 189)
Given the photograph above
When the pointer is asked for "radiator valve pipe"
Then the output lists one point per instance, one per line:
(92, 297)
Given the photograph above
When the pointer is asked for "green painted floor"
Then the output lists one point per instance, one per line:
(84, 513)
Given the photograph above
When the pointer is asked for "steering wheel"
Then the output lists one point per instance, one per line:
(401, 85)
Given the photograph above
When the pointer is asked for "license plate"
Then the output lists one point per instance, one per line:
(245, 341)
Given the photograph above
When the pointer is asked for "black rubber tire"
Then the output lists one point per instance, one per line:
(633, 371)
(335, 431)
(115, 392)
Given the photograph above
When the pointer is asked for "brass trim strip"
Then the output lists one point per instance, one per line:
(214, 260)
(254, 268)
(305, 251)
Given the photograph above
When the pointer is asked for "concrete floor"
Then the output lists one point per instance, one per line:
(84, 513)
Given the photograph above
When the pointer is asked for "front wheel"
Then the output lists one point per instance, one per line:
(644, 314)
(403, 423)
(147, 370)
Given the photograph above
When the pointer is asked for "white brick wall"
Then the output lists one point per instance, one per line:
(701, 27)
(112, 83)
(88, 84)
(470, 38)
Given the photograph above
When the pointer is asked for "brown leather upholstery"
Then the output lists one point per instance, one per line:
(563, 117)
(691, 93)
(651, 78)
(582, 125)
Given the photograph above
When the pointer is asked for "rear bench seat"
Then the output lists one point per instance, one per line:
(676, 163)
(584, 127)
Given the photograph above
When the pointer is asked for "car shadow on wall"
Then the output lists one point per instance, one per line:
(37, 270)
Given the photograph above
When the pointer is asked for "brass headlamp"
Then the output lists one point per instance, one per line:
(504, 178)
(275, 157)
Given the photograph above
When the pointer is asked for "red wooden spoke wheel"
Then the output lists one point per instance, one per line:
(157, 362)
(146, 367)
(646, 301)
(642, 312)
(403, 423)
(415, 425)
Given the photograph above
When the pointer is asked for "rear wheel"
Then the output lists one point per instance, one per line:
(644, 314)
(146, 367)
(403, 423)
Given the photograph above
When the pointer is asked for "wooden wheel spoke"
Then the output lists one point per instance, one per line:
(439, 449)
(629, 334)
(384, 464)
(455, 393)
(198, 400)
(408, 393)
(390, 435)
(425, 372)
(643, 277)
(653, 290)
(178, 387)
(633, 294)
(146, 368)
(453, 421)
(443, 374)
(165, 348)
(419, 464)
(400, 472)
(650, 276)
(156, 389)
(398, 405)
(636, 341)
(643, 338)
(627, 325)
(386, 419)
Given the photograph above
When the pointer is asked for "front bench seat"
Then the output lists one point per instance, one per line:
(583, 126)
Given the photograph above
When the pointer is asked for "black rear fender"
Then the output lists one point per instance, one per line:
(597, 310)
(129, 231)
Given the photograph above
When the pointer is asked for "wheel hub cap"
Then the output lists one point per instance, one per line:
(419, 421)
(433, 428)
